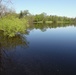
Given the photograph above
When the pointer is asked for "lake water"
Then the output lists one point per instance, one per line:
(42, 51)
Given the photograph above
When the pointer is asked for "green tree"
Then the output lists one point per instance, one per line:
(21, 15)
(26, 13)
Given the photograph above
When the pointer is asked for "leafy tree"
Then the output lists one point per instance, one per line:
(26, 12)
(21, 15)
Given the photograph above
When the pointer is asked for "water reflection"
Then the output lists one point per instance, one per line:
(44, 27)
(51, 50)
(8, 48)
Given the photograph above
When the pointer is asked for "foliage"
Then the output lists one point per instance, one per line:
(24, 13)
(21, 15)
(11, 25)
(52, 19)
(44, 18)
(9, 43)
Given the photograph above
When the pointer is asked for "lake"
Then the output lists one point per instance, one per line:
(41, 51)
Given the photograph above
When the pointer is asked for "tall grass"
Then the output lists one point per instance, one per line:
(11, 25)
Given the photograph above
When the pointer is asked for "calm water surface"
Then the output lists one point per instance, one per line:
(51, 51)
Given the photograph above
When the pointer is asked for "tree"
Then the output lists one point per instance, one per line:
(21, 15)
(0, 1)
(3, 7)
(26, 12)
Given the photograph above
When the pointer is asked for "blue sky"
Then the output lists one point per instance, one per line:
(51, 7)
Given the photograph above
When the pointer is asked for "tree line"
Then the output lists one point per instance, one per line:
(44, 18)
(38, 18)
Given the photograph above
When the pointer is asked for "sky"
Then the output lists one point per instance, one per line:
(51, 7)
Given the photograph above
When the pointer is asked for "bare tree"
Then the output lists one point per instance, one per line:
(6, 1)
(0, 1)
(3, 7)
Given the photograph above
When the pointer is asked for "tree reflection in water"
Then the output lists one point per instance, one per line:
(44, 27)
(10, 60)
(9, 44)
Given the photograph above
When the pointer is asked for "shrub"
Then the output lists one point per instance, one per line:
(11, 25)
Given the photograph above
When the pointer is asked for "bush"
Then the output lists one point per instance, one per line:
(11, 25)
